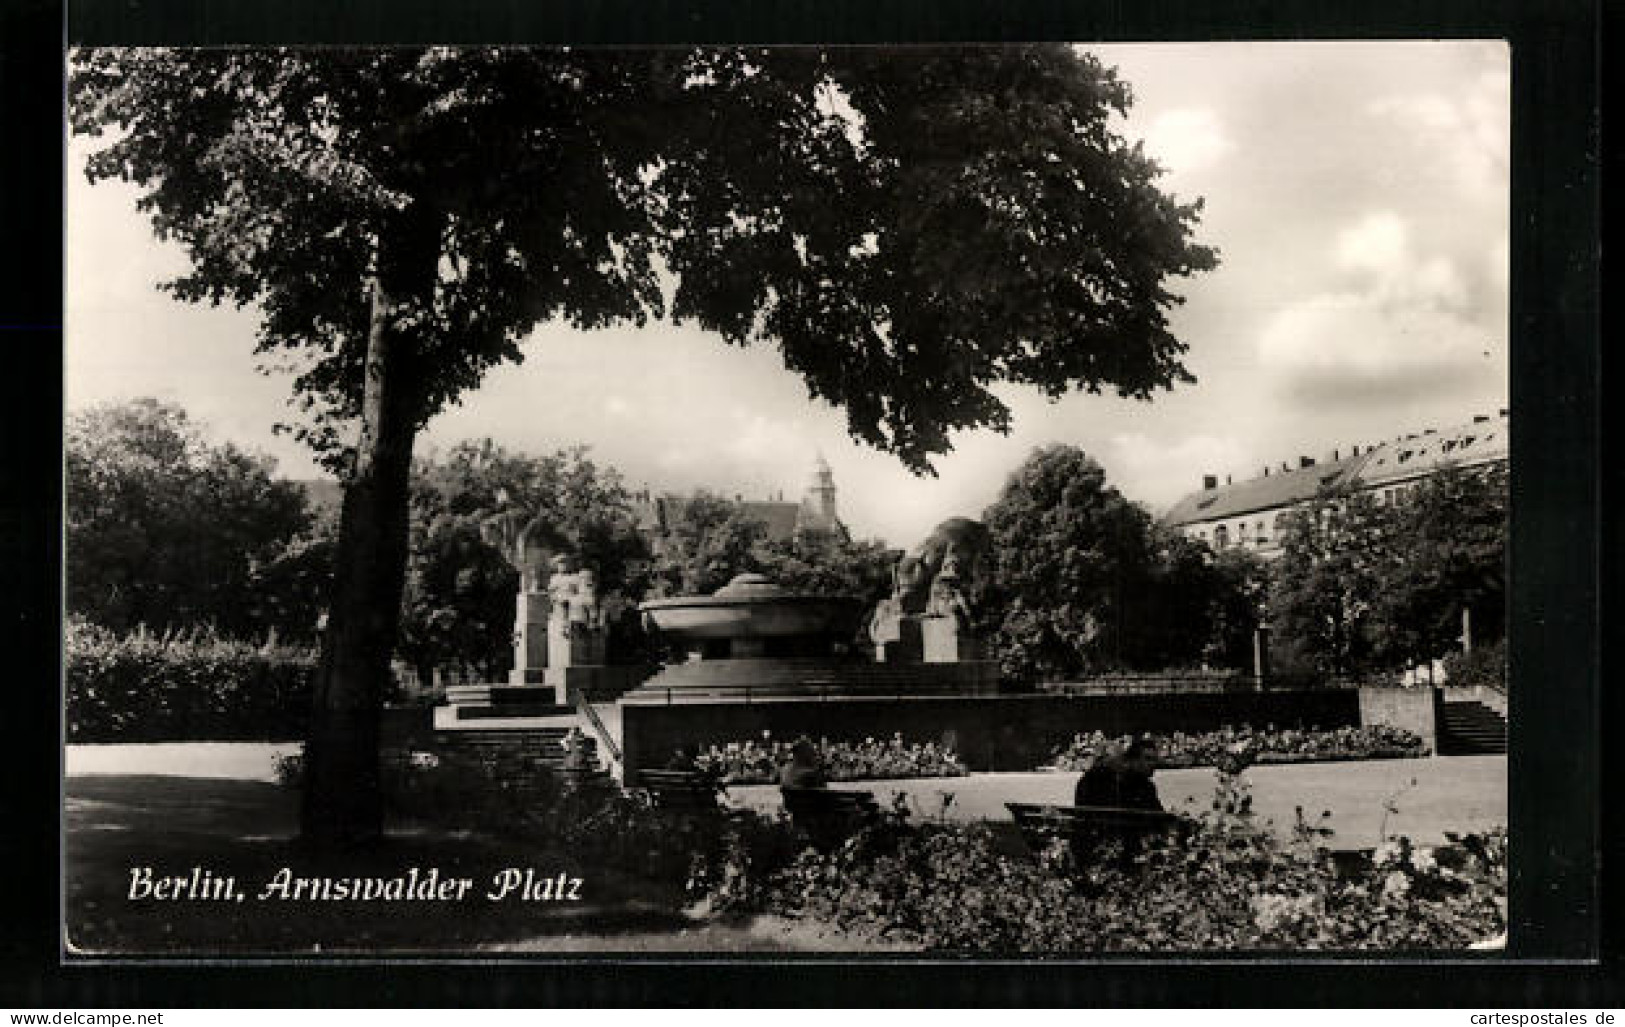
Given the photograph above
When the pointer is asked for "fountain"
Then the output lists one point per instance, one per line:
(753, 640)
(754, 616)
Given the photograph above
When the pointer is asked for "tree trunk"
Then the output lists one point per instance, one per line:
(343, 802)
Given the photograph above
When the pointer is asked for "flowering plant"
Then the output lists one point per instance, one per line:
(756, 762)
(1271, 745)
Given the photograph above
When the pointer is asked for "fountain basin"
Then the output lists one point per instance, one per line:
(752, 607)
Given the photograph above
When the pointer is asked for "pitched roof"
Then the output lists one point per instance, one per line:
(779, 518)
(1281, 488)
(1478, 442)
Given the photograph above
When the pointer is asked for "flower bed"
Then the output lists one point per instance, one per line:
(1228, 885)
(754, 762)
(1291, 745)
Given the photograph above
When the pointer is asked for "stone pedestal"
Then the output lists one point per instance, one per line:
(901, 641)
(944, 640)
(594, 684)
(573, 644)
(530, 644)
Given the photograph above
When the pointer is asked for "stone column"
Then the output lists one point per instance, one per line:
(945, 640)
(530, 637)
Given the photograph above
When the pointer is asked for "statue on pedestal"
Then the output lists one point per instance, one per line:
(928, 590)
(577, 624)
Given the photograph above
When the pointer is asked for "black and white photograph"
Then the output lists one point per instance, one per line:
(1020, 501)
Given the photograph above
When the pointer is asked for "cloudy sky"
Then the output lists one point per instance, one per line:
(1357, 194)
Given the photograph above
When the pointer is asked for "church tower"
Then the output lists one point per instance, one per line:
(817, 512)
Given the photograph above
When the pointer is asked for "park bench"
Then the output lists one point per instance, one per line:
(679, 789)
(1087, 826)
(828, 815)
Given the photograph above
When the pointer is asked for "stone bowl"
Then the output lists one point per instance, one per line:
(752, 606)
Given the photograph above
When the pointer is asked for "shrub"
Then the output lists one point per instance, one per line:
(753, 762)
(1484, 666)
(189, 686)
(1205, 749)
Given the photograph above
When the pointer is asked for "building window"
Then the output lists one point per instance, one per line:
(1221, 537)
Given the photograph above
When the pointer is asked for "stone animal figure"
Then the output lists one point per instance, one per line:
(958, 544)
(946, 564)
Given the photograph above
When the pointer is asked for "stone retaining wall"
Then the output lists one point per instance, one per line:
(1006, 732)
(1414, 709)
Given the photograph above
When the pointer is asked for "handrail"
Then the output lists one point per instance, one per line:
(807, 692)
(584, 708)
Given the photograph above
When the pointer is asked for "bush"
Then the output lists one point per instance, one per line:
(1484, 666)
(753, 762)
(1207, 749)
(190, 686)
(1230, 885)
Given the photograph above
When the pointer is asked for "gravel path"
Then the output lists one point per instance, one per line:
(1451, 793)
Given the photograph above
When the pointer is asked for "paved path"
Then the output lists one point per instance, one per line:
(1451, 793)
(238, 761)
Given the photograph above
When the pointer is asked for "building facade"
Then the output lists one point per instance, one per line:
(814, 514)
(1251, 514)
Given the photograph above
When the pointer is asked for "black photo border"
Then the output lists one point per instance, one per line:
(1557, 807)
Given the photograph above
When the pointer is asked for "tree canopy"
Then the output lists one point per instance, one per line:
(458, 604)
(933, 219)
(1364, 587)
(1082, 582)
(167, 530)
(1070, 558)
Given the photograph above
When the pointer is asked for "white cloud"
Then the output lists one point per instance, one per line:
(1349, 332)
(1187, 140)
(1499, 264)
(1471, 127)
(1166, 470)
(1377, 243)
(1403, 323)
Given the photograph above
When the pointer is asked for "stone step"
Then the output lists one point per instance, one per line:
(511, 710)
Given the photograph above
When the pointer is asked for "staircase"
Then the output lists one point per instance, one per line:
(538, 748)
(1468, 728)
(805, 677)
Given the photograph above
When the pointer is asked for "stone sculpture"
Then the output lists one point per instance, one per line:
(929, 593)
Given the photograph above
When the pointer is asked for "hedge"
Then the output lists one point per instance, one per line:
(183, 687)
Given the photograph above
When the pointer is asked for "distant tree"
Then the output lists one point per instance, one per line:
(586, 505)
(167, 530)
(291, 592)
(1366, 587)
(1326, 585)
(1201, 607)
(829, 564)
(1070, 572)
(709, 541)
(1237, 608)
(1449, 556)
(906, 228)
(458, 603)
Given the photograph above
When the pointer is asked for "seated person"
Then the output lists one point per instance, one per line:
(803, 770)
(1121, 778)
